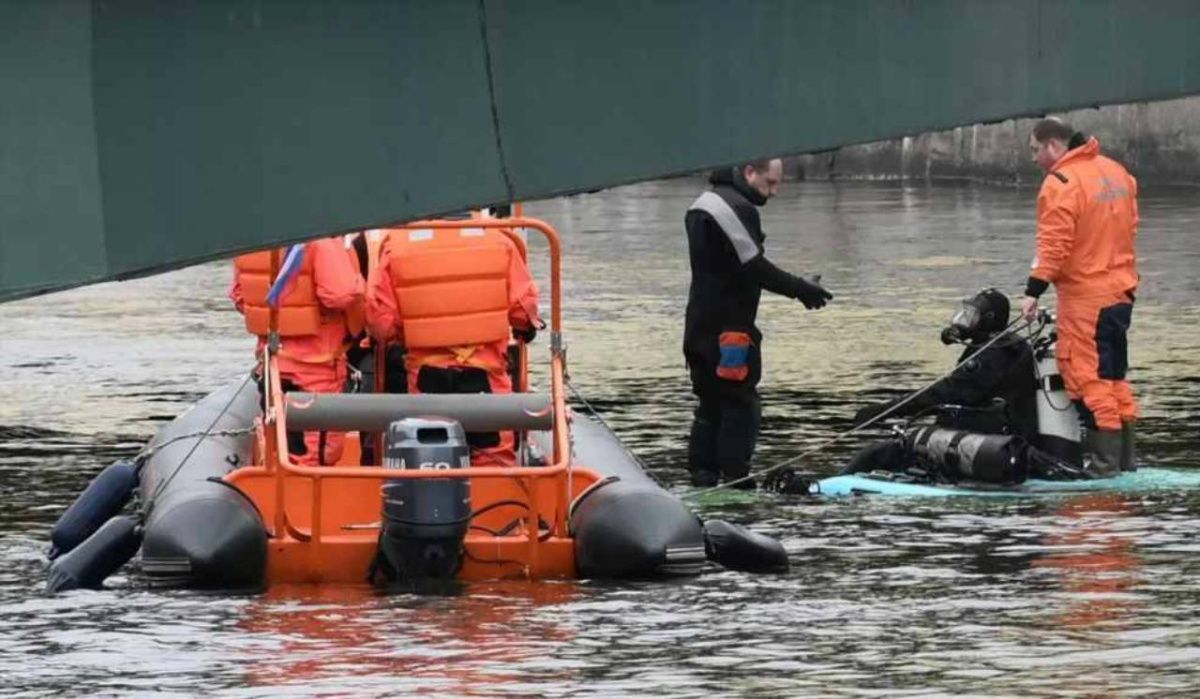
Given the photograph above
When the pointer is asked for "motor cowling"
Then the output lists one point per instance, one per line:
(424, 519)
(989, 458)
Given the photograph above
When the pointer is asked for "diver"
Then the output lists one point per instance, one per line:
(989, 425)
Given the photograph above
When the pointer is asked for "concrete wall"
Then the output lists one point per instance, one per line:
(1159, 142)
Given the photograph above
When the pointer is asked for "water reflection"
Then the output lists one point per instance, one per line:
(462, 644)
(1097, 564)
(1065, 596)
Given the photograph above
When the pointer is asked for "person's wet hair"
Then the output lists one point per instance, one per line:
(1053, 128)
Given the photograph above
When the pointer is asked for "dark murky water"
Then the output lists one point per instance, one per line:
(1093, 594)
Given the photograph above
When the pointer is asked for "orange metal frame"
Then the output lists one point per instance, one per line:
(323, 521)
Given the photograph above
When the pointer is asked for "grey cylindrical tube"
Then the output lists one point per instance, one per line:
(477, 412)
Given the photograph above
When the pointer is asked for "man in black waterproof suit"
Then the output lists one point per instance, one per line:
(720, 339)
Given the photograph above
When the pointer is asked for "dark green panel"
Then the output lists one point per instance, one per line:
(225, 124)
(681, 85)
(51, 226)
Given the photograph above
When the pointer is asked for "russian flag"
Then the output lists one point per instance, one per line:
(292, 262)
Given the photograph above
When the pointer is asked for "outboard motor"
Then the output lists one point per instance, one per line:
(424, 520)
(990, 458)
(1058, 420)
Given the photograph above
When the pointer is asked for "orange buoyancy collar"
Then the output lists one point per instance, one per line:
(299, 309)
(451, 286)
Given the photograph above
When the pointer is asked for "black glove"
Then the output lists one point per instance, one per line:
(525, 335)
(867, 412)
(811, 294)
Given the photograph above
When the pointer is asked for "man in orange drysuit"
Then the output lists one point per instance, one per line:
(320, 312)
(1087, 219)
(454, 297)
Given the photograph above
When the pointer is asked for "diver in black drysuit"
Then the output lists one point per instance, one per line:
(993, 393)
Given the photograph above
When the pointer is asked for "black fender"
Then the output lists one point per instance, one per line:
(90, 563)
(102, 500)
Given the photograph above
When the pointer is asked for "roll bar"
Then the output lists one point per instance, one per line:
(373, 412)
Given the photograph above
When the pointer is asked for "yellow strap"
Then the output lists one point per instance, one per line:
(459, 355)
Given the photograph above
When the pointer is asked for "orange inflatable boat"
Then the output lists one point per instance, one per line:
(225, 506)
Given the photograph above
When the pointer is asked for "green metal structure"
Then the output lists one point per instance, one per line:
(140, 136)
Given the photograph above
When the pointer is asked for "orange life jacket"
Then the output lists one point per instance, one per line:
(299, 309)
(451, 286)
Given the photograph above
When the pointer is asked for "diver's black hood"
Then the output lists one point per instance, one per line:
(733, 177)
(978, 318)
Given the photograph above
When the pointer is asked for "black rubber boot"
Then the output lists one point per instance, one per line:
(736, 440)
(1128, 447)
(1104, 448)
(702, 450)
(748, 484)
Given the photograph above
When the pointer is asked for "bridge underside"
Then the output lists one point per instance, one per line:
(140, 136)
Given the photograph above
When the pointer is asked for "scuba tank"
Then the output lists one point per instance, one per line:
(1058, 421)
(957, 454)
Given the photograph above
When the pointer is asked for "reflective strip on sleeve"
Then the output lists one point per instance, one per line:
(712, 204)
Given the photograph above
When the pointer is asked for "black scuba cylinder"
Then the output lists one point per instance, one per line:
(989, 458)
(88, 564)
(103, 498)
(425, 519)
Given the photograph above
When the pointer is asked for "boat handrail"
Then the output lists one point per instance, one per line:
(373, 412)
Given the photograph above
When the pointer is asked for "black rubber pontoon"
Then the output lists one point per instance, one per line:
(202, 533)
(627, 525)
